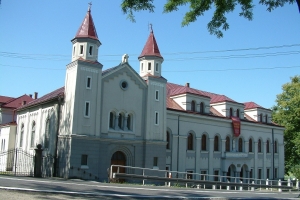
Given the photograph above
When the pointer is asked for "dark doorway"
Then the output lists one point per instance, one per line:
(118, 158)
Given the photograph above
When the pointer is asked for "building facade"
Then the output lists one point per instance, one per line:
(118, 116)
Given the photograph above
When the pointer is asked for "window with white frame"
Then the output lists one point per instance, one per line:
(87, 109)
(88, 82)
(91, 50)
(156, 118)
(32, 134)
(81, 50)
(189, 174)
(149, 66)
(156, 95)
(21, 135)
(203, 175)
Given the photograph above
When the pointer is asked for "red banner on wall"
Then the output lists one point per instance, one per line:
(236, 125)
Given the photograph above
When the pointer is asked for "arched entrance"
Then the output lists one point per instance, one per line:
(118, 158)
(231, 173)
(243, 173)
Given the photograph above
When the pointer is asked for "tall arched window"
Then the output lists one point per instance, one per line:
(216, 143)
(47, 134)
(190, 141)
(129, 122)
(168, 140)
(259, 146)
(203, 142)
(250, 145)
(201, 107)
(238, 113)
(230, 112)
(266, 119)
(21, 135)
(32, 134)
(120, 121)
(193, 106)
(111, 120)
(240, 145)
(275, 147)
(261, 117)
(227, 144)
(268, 146)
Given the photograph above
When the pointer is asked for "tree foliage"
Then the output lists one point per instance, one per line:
(287, 114)
(199, 7)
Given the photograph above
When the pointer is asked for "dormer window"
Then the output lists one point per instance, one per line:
(81, 49)
(91, 50)
(238, 113)
(193, 106)
(156, 67)
(149, 66)
(201, 107)
(260, 117)
(230, 112)
(266, 119)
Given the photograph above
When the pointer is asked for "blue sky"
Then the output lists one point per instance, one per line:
(35, 47)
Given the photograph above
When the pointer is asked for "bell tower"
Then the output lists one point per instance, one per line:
(150, 58)
(86, 42)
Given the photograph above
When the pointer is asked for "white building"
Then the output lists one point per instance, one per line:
(119, 116)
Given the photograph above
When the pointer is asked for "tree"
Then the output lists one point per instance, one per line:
(287, 114)
(198, 7)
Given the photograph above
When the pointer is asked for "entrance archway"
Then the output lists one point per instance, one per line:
(118, 158)
(231, 172)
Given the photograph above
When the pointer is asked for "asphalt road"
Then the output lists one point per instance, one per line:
(55, 188)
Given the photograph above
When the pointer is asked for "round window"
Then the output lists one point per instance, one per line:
(124, 84)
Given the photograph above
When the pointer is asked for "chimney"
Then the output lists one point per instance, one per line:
(23, 103)
(30, 95)
(35, 95)
(187, 85)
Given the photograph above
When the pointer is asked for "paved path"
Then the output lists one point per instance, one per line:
(34, 188)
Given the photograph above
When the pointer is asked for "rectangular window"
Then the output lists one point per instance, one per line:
(87, 109)
(149, 66)
(88, 82)
(259, 174)
(203, 175)
(251, 173)
(275, 173)
(156, 95)
(156, 118)
(216, 175)
(268, 173)
(189, 174)
(81, 49)
(91, 50)
(155, 161)
(84, 159)
(156, 67)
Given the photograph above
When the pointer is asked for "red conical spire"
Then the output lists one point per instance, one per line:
(151, 48)
(87, 28)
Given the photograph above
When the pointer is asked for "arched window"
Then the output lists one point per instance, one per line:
(240, 145)
(203, 142)
(111, 120)
(168, 140)
(268, 146)
(190, 141)
(21, 135)
(32, 134)
(275, 147)
(47, 134)
(120, 121)
(201, 107)
(227, 144)
(129, 122)
(250, 145)
(193, 106)
(266, 119)
(230, 112)
(216, 143)
(259, 146)
(238, 113)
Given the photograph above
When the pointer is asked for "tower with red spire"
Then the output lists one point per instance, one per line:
(150, 58)
(86, 42)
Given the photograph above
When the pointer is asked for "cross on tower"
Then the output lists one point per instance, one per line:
(90, 5)
(150, 25)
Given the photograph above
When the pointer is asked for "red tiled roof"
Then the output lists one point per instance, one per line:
(4, 99)
(172, 104)
(215, 112)
(151, 47)
(17, 102)
(87, 28)
(249, 118)
(45, 98)
(251, 105)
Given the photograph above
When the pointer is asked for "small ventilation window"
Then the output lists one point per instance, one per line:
(88, 82)
(87, 109)
(124, 85)
(81, 49)
(149, 66)
(156, 95)
(91, 50)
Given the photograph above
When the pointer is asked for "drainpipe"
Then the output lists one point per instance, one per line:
(178, 146)
(57, 132)
(273, 153)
